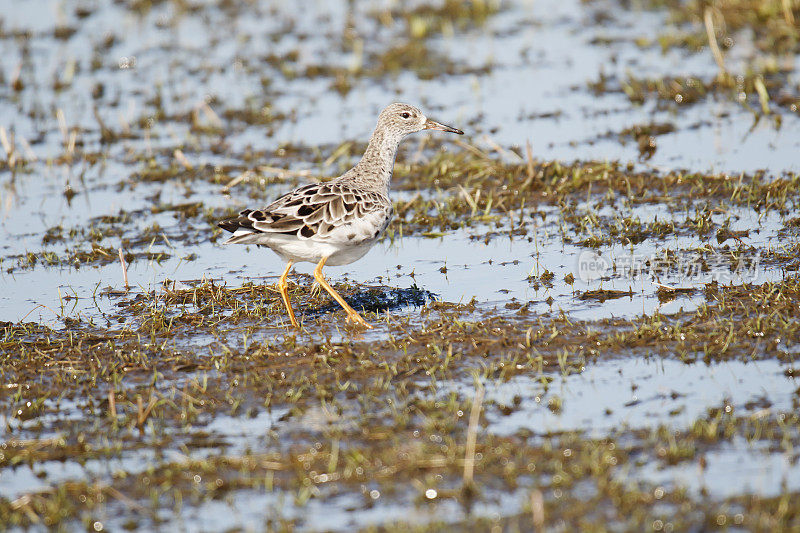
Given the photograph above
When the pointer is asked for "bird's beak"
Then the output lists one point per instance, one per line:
(433, 125)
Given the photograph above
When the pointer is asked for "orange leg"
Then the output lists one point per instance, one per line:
(352, 316)
(283, 286)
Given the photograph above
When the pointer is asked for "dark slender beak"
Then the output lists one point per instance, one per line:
(433, 125)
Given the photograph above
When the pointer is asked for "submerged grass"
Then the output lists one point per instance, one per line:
(361, 416)
(772, 22)
(130, 419)
(592, 203)
(766, 31)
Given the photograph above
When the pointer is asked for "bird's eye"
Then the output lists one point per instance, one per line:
(405, 115)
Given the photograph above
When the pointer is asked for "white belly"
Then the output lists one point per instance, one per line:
(313, 251)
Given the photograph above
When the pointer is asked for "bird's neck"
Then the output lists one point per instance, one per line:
(375, 168)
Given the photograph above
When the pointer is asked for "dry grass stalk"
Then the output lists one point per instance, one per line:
(763, 96)
(284, 173)
(472, 435)
(16, 79)
(708, 18)
(236, 181)
(112, 404)
(500, 150)
(529, 156)
(342, 150)
(537, 509)
(62, 124)
(8, 146)
(210, 114)
(476, 151)
(143, 412)
(26, 147)
(124, 268)
(181, 158)
(787, 12)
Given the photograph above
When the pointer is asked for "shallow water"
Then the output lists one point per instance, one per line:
(615, 396)
(457, 267)
(638, 393)
(737, 467)
(164, 78)
(524, 45)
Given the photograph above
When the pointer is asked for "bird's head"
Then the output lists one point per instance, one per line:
(403, 119)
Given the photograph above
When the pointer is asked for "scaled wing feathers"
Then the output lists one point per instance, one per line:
(312, 211)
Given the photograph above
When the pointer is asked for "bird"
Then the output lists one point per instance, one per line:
(334, 222)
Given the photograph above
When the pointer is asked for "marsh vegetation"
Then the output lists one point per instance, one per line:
(586, 313)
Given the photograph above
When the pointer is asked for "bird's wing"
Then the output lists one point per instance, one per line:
(313, 211)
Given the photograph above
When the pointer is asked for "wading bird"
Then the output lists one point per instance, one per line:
(338, 221)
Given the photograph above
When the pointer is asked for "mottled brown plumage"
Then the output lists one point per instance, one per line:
(311, 211)
(336, 222)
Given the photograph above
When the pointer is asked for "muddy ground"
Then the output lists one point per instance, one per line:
(585, 313)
